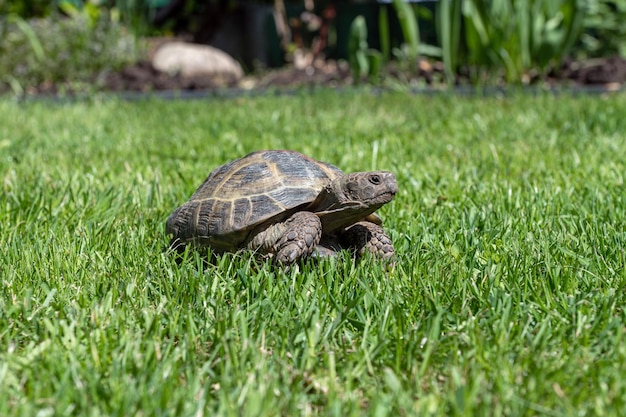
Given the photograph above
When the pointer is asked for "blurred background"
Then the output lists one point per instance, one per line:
(80, 45)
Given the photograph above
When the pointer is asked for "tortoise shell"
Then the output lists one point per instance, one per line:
(262, 187)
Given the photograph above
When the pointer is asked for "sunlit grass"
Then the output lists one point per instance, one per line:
(507, 298)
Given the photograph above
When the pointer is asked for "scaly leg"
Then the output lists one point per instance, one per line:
(290, 240)
(366, 237)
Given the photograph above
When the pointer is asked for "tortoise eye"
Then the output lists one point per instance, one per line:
(375, 179)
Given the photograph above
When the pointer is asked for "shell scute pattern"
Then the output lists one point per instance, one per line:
(242, 210)
(246, 192)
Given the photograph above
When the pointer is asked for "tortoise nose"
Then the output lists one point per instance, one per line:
(391, 182)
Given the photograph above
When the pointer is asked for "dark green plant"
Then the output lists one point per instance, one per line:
(410, 31)
(134, 14)
(357, 48)
(412, 47)
(60, 51)
(449, 33)
(88, 11)
(383, 33)
(511, 37)
(27, 8)
(604, 29)
(363, 60)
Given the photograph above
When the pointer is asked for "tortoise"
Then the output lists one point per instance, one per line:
(286, 206)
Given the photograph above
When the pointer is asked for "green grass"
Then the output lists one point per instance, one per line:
(507, 299)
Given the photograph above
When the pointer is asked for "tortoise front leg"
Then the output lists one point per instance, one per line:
(367, 237)
(291, 240)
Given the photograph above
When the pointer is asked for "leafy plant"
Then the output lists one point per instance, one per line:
(27, 8)
(383, 33)
(136, 14)
(363, 60)
(605, 31)
(514, 37)
(410, 31)
(57, 51)
(357, 48)
(449, 33)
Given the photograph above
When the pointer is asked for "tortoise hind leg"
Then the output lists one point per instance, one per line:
(367, 237)
(291, 240)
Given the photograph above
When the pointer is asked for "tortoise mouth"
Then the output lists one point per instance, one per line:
(392, 193)
(387, 196)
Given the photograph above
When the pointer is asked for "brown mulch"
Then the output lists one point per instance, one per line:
(606, 71)
(609, 72)
(606, 74)
(143, 77)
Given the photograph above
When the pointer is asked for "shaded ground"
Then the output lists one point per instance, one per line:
(609, 72)
(603, 74)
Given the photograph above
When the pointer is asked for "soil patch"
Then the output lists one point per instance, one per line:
(608, 72)
(601, 74)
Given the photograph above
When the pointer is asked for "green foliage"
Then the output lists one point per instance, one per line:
(384, 34)
(449, 33)
(514, 37)
(410, 31)
(357, 48)
(507, 299)
(76, 50)
(134, 14)
(88, 11)
(363, 60)
(605, 31)
(514, 40)
(27, 8)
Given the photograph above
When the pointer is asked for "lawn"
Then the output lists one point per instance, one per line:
(507, 298)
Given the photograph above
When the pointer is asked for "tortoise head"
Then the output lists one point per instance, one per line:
(352, 197)
(369, 188)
